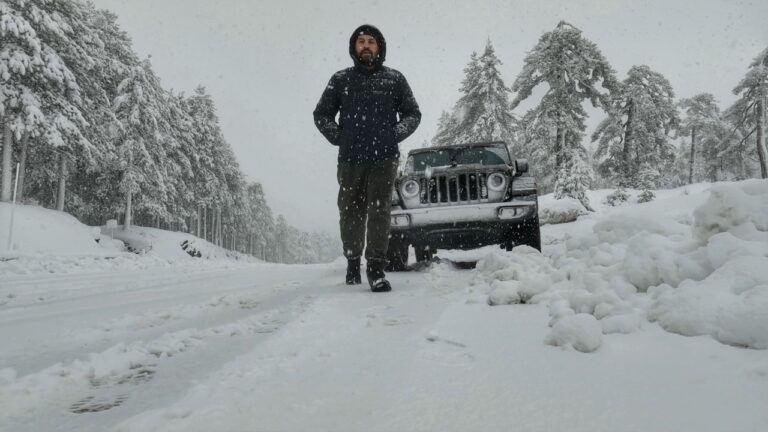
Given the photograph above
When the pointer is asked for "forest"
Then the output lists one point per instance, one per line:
(95, 134)
(648, 139)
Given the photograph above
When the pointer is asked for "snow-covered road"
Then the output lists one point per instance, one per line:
(272, 347)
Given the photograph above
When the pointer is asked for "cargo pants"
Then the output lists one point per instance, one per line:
(365, 201)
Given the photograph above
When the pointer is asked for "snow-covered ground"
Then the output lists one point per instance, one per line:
(640, 317)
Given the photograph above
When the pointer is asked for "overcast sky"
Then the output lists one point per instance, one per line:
(266, 63)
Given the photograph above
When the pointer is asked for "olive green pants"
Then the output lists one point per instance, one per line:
(365, 200)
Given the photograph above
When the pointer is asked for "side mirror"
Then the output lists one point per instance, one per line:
(521, 166)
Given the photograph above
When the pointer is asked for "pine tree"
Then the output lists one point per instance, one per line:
(753, 90)
(574, 177)
(635, 136)
(572, 67)
(139, 110)
(702, 115)
(482, 113)
(445, 128)
(41, 98)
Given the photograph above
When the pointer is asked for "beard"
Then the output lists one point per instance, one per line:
(367, 58)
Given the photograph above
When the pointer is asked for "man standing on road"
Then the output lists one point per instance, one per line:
(377, 111)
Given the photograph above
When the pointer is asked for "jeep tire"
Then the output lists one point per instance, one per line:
(529, 235)
(423, 253)
(397, 255)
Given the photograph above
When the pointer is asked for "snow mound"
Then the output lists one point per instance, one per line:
(169, 245)
(557, 211)
(731, 304)
(504, 293)
(581, 332)
(732, 205)
(694, 261)
(39, 230)
(53, 242)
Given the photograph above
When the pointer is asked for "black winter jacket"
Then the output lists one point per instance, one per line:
(377, 111)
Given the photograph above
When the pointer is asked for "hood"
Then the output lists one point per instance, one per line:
(376, 33)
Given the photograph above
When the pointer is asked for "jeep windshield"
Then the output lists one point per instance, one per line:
(492, 154)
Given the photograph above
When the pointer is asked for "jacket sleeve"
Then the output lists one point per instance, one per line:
(408, 111)
(326, 110)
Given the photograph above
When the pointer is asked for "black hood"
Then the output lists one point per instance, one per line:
(370, 30)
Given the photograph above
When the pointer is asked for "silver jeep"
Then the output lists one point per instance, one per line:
(462, 197)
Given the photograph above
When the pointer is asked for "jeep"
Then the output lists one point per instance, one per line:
(462, 197)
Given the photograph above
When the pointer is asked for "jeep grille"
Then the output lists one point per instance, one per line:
(454, 189)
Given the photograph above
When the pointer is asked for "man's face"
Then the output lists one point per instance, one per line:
(367, 48)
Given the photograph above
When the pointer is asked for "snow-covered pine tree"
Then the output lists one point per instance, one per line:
(93, 188)
(140, 110)
(574, 177)
(445, 129)
(41, 98)
(206, 155)
(752, 92)
(702, 115)
(731, 153)
(573, 68)
(635, 135)
(482, 113)
(260, 221)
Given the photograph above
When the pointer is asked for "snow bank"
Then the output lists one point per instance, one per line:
(169, 245)
(695, 270)
(48, 241)
(38, 230)
(581, 332)
(552, 211)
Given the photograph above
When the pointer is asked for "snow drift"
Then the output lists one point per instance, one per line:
(49, 241)
(705, 270)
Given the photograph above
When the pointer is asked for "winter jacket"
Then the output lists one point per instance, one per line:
(376, 110)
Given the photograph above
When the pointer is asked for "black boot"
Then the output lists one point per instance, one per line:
(353, 271)
(375, 273)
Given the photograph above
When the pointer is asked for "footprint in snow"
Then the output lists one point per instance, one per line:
(108, 391)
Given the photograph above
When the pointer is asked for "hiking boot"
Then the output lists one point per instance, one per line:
(353, 271)
(376, 279)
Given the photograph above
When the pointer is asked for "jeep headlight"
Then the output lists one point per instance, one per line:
(410, 189)
(497, 182)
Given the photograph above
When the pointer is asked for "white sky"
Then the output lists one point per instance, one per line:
(266, 63)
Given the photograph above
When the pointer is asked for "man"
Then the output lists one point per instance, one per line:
(377, 111)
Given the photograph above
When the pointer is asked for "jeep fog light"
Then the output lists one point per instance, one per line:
(410, 188)
(497, 182)
(400, 220)
(511, 212)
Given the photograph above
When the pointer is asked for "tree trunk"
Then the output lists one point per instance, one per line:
(5, 194)
(559, 148)
(128, 210)
(62, 182)
(215, 226)
(205, 222)
(761, 136)
(199, 218)
(693, 154)
(626, 152)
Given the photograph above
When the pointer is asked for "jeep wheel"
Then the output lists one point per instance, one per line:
(423, 253)
(530, 235)
(397, 255)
